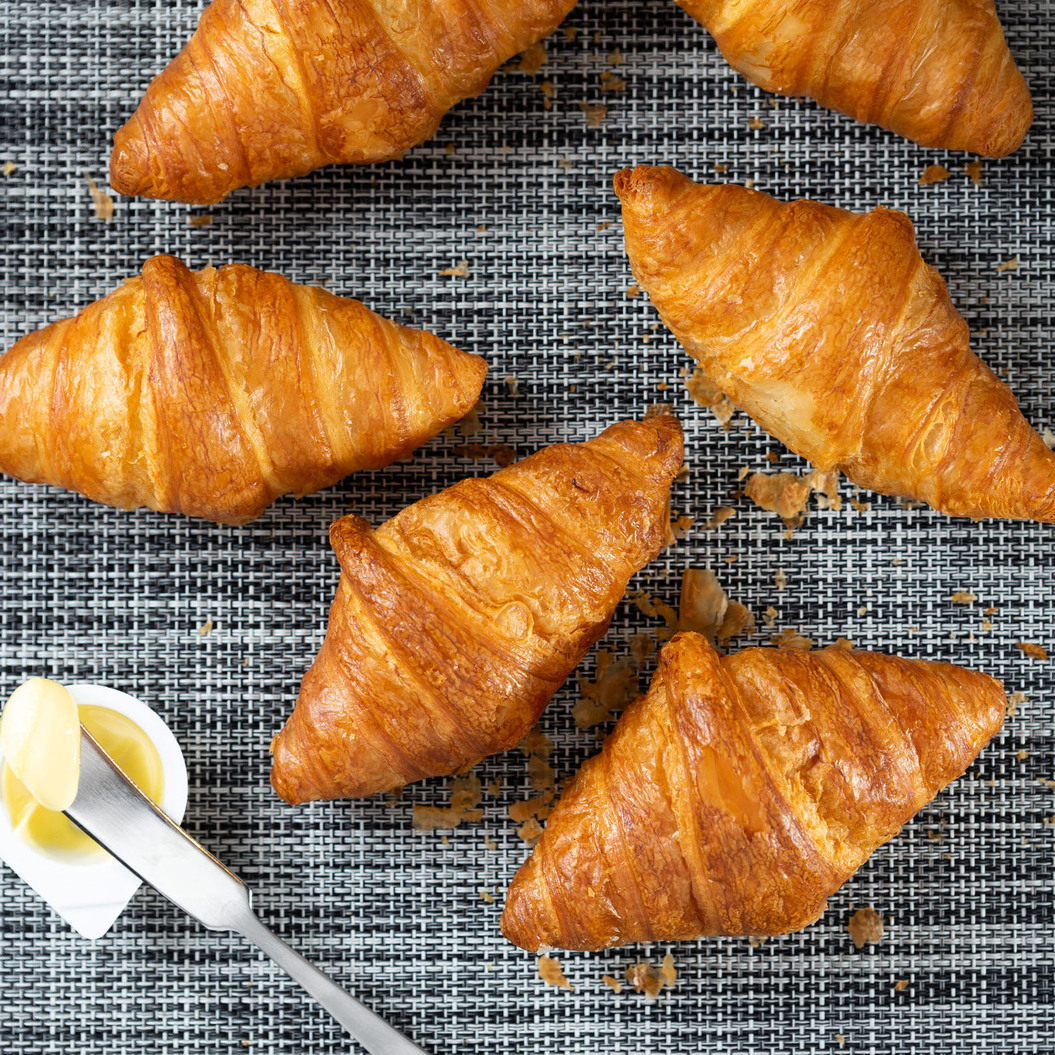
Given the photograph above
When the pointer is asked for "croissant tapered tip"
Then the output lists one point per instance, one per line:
(521, 917)
(130, 161)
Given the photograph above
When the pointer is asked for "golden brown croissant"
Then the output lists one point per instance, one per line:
(457, 620)
(938, 72)
(741, 792)
(270, 89)
(213, 392)
(828, 328)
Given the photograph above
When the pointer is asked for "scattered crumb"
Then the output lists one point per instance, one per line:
(756, 942)
(705, 393)
(513, 384)
(566, 164)
(901, 986)
(104, 204)
(466, 793)
(532, 60)
(974, 170)
(652, 981)
(720, 169)
(785, 494)
(594, 113)
(613, 983)
(1033, 651)
(200, 221)
(843, 643)
(570, 33)
(706, 609)
(604, 226)
(9, 167)
(680, 527)
(470, 424)
(611, 83)
(791, 638)
(840, 1039)
(549, 90)
(866, 925)
(490, 844)
(1014, 701)
(991, 610)
(719, 517)
(633, 290)
(780, 578)
(487, 896)
(502, 453)
(755, 124)
(481, 228)
(530, 831)
(1048, 437)
(460, 270)
(964, 597)
(205, 628)
(934, 174)
(642, 648)
(1022, 755)
(1008, 265)
(615, 57)
(449, 149)
(650, 606)
(549, 970)
(614, 686)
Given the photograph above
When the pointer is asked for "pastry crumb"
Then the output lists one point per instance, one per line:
(718, 517)
(1008, 265)
(633, 290)
(200, 221)
(785, 494)
(532, 60)
(205, 628)
(615, 57)
(1032, 650)
(644, 978)
(466, 793)
(974, 170)
(755, 124)
(615, 684)
(964, 597)
(513, 384)
(866, 925)
(487, 896)
(611, 83)
(706, 609)
(901, 986)
(549, 90)
(843, 643)
(791, 638)
(102, 202)
(756, 942)
(460, 270)
(1014, 701)
(613, 983)
(549, 970)
(594, 113)
(9, 167)
(780, 578)
(934, 174)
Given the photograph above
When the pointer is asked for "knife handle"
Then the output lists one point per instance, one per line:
(373, 1032)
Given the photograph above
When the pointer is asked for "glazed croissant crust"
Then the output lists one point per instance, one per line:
(271, 89)
(938, 72)
(456, 621)
(211, 393)
(741, 792)
(831, 332)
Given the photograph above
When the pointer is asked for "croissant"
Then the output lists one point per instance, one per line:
(937, 72)
(270, 89)
(829, 330)
(456, 621)
(741, 792)
(213, 392)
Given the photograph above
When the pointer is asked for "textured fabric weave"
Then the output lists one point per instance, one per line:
(518, 186)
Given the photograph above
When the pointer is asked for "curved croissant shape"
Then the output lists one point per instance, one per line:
(271, 89)
(213, 392)
(741, 792)
(828, 328)
(457, 620)
(937, 72)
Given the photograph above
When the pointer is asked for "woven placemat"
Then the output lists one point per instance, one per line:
(514, 194)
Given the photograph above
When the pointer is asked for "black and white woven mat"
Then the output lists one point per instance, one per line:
(517, 186)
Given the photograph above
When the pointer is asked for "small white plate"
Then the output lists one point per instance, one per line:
(90, 894)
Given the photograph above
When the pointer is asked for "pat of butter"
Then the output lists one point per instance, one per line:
(40, 733)
(90, 889)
